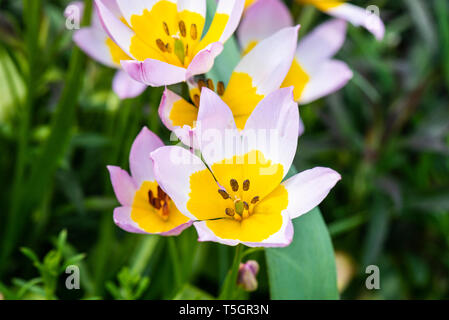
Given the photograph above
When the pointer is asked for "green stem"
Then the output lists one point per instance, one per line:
(176, 263)
(143, 254)
(230, 283)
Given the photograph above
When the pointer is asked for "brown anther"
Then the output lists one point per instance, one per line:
(187, 50)
(157, 203)
(168, 48)
(223, 193)
(165, 210)
(255, 200)
(220, 88)
(150, 196)
(210, 84)
(182, 28)
(234, 185)
(246, 185)
(201, 84)
(230, 212)
(193, 32)
(196, 100)
(164, 24)
(161, 45)
(160, 193)
(245, 205)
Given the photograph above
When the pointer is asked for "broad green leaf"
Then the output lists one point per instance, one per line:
(306, 268)
(189, 292)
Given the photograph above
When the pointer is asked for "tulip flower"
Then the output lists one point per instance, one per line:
(259, 73)
(145, 207)
(351, 13)
(237, 195)
(95, 42)
(163, 38)
(313, 73)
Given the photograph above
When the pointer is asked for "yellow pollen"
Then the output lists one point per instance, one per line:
(246, 185)
(234, 185)
(161, 45)
(224, 194)
(167, 31)
(193, 32)
(255, 200)
(230, 212)
(220, 88)
(182, 28)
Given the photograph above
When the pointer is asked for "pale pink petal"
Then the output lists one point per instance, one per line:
(93, 42)
(321, 44)
(124, 186)
(269, 62)
(234, 9)
(154, 73)
(173, 167)
(331, 76)
(122, 218)
(116, 29)
(177, 231)
(204, 60)
(275, 124)
(261, 20)
(359, 17)
(216, 130)
(197, 6)
(169, 98)
(139, 159)
(307, 189)
(126, 87)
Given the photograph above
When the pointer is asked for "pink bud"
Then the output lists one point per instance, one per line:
(247, 275)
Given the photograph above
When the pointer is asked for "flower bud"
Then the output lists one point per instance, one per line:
(247, 275)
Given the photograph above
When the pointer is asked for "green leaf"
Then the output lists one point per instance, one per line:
(189, 292)
(306, 268)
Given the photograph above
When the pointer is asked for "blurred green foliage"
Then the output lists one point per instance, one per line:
(386, 132)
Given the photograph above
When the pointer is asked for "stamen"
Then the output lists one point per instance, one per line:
(193, 32)
(196, 100)
(165, 210)
(150, 197)
(245, 205)
(234, 185)
(255, 200)
(230, 212)
(164, 24)
(210, 84)
(224, 194)
(160, 193)
(187, 50)
(220, 88)
(168, 48)
(182, 28)
(161, 45)
(201, 84)
(157, 203)
(239, 207)
(246, 185)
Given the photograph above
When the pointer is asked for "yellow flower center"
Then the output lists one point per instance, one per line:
(154, 211)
